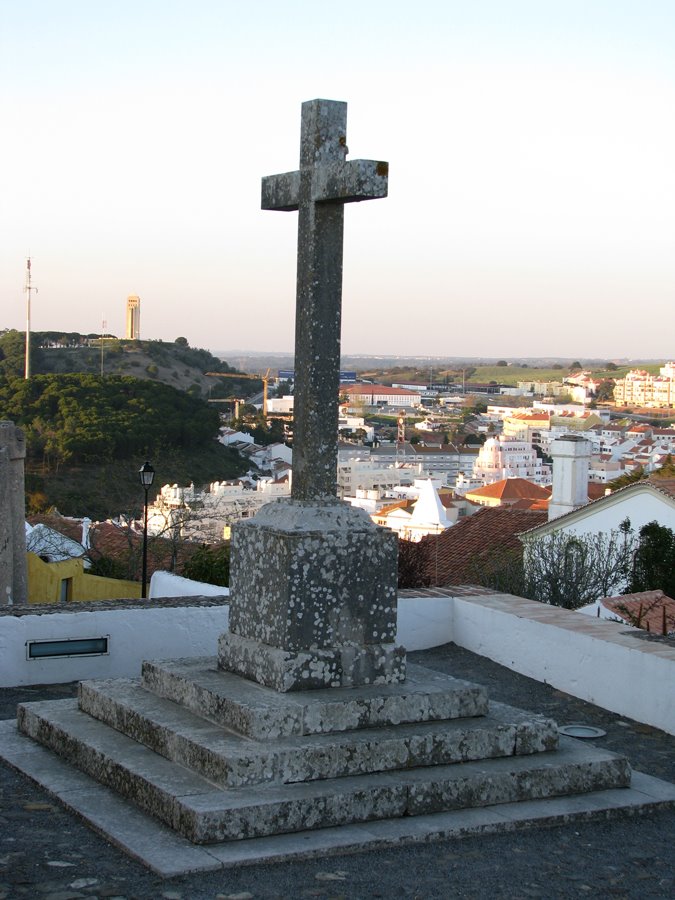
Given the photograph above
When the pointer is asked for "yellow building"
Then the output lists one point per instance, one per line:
(66, 581)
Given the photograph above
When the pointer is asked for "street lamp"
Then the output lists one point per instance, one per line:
(146, 474)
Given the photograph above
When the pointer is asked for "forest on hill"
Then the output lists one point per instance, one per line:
(87, 436)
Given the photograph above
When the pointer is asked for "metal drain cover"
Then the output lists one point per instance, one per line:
(581, 731)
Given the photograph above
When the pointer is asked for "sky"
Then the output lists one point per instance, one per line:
(531, 145)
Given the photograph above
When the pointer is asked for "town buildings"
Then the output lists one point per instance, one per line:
(641, 388)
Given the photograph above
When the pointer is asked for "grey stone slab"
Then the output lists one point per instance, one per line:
(169, 854)
(232, 761)
(204, 814)
(155, 784)
(314, 669)
(262, 713)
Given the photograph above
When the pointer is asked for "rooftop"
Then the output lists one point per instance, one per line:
(46, 851)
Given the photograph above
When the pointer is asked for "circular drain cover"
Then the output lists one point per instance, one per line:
(582, 731)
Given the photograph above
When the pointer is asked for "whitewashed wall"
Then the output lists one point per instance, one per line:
(598, 661)
(593, 659)
(135, 634)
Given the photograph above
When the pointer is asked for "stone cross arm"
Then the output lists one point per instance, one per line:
(337, 182)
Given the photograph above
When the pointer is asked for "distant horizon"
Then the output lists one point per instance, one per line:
(484, 357)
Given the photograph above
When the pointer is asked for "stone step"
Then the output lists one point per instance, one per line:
(259, 712)
(230, 760)
(203, 813)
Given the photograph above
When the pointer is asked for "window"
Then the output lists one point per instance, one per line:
(67, 647)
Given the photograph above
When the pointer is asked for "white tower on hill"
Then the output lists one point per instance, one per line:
(133, 329)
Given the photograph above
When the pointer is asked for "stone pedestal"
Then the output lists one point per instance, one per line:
(312, 598)
(13, 574)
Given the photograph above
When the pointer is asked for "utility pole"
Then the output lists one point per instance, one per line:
(28, 288)
(104, 325)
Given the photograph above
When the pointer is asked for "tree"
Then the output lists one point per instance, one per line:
(502, 362)
(605, 391)
(575, 366)
(209, 564)
(572, 570)
(500, 570)
(182, 342)
(411, 568)
(611, 367)
(654, 560)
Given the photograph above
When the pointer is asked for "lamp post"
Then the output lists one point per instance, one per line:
(146, 474)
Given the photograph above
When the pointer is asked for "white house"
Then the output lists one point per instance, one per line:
(503, 457)
(414, 519)
(359, 395)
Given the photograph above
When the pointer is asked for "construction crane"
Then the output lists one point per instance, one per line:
(235, 401)
(264, 378)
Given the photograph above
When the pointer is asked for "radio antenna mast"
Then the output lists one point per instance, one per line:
(104, 326)
(28, 289)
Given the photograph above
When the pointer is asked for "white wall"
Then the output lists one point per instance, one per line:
(640, 507)
(164, 584)
(134, 634)
(592, 659)
(598, 661)
(424, 622)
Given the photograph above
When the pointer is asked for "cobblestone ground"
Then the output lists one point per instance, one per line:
(47, 853)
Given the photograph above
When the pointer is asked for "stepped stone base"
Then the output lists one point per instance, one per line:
(218, 758)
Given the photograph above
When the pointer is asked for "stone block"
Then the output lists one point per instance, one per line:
(308, 575)
(285, 670)
(264, 714)
(232, 760)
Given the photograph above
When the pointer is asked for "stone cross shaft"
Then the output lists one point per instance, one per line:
(319, 190)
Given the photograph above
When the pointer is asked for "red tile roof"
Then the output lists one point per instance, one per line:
(511, 489)
(452, 556)
(652, 611)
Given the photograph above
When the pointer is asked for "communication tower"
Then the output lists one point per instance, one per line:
(28, 289)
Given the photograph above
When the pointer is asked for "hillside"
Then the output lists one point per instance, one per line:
(107, 489)
(176, 364)
(87, 436)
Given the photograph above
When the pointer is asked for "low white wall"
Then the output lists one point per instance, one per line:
(134, 634)
(592, 659)
(165, 584)
(424, 622)
(161, 633)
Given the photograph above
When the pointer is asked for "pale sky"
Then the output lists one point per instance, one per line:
(531, 206)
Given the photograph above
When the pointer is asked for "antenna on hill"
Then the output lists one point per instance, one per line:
(28, 289)
(104, 326)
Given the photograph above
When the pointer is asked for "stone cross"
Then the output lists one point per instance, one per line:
(13, 578)
(312, 578)
(319, 190)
